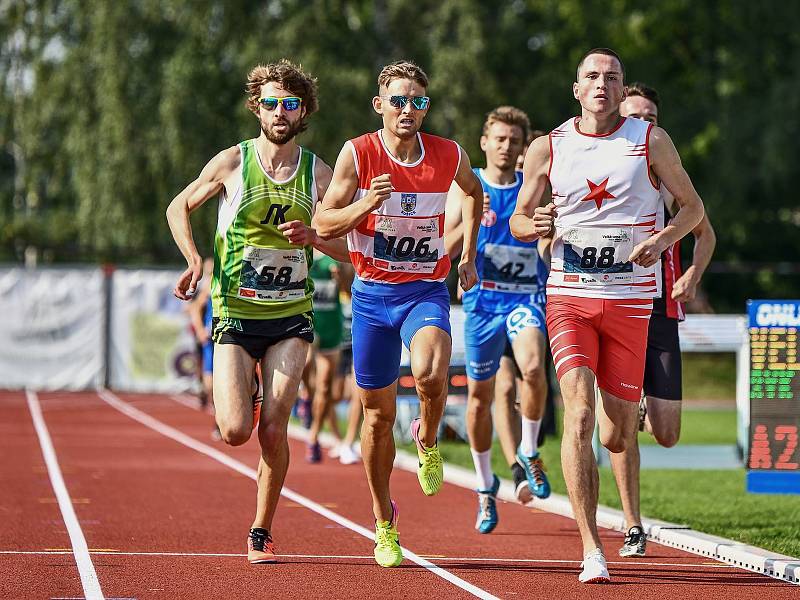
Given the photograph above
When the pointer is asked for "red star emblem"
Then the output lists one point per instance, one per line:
(598, 193)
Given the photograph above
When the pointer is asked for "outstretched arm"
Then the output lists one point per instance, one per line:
(666, 164)
(531, 220)
(207, 185)
(338, 214)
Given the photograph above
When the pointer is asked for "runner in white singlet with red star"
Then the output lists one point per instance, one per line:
(605, 171)
(388, 195)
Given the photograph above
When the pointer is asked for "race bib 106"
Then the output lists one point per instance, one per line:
(273, 274)
(406, 245)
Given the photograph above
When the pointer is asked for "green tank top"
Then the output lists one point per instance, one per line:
(326, 290)
(258, 274)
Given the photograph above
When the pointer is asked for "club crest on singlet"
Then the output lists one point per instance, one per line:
(408, 204)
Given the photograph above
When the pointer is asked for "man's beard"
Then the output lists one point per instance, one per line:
(292, 129)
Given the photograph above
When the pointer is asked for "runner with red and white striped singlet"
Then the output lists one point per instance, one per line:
(388, 195)
(604, 171)
(660, 408)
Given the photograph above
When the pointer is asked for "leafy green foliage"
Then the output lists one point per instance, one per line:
(107, 109)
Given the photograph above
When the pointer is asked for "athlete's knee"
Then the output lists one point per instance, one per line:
(431, 383)
(379, 422)
(666, 437)
(613, 441)
(234, 434)
(478, 408)
(272, 436)
(579, 422)
(533, 374)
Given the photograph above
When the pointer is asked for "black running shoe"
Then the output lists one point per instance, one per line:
(635, 542)
(521, 489)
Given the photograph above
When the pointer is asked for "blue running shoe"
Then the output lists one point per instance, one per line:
(535, 473)
(487, 508)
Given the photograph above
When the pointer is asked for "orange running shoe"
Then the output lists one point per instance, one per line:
(260, 548)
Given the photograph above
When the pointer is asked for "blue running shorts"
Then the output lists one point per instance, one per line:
(208, 358)
(386, 315)
(486, 334)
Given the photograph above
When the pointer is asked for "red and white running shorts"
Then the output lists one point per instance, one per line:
(608, 336)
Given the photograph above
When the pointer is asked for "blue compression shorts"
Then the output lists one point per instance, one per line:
(486, 335)
(386, 315)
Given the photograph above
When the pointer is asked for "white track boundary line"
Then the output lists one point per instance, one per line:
(487, 559)
(737, 554)
(182, 438)
(89, 580)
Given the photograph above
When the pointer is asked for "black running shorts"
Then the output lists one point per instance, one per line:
(662, 371)
(257, 335)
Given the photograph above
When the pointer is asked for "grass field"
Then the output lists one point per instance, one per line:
(711, 501)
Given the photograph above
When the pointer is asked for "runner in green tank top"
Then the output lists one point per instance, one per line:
(328, 321)
(261, 290)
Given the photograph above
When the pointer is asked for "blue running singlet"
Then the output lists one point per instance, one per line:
(510, 272)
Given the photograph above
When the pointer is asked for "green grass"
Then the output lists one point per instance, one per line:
(703, 427)
(709, 376)
(711, 501)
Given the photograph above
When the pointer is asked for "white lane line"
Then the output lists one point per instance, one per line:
(187, 401)
(182, 438)
(481, 559)
(89, 580)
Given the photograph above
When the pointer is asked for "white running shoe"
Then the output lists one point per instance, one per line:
(348, 456)
(595, 569)
(335, 451)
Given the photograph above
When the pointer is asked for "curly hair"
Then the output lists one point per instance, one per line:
(402, 69)
(510, 116)
(288, 75)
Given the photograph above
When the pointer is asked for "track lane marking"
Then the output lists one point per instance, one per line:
(182, 438)
(370, 557)
(80, 549)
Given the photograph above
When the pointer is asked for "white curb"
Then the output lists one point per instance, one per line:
(681, 537)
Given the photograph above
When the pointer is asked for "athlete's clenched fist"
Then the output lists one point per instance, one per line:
(380, 188)
(544, 220)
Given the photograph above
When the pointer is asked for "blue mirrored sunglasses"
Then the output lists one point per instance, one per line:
(399, 102)
(289, 103)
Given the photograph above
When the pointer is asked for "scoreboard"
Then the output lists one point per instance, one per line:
(773, 465)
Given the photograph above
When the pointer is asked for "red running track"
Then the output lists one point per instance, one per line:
(163, 520)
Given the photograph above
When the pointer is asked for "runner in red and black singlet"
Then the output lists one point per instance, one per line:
(661, 402)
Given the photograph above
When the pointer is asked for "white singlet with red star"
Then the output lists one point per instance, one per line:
(607, 203)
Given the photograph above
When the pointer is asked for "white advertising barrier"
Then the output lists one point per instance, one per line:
(152, 346)
(52, 333)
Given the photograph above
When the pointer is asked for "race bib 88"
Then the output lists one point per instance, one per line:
(598, 255)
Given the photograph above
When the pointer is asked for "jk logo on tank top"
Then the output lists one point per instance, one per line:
(276, 212)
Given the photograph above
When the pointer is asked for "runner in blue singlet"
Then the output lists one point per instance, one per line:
(506, 306)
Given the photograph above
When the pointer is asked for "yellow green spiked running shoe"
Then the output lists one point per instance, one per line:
(387, 541)
(430, 471)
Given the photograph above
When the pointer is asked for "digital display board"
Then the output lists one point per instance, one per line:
(773, 465)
